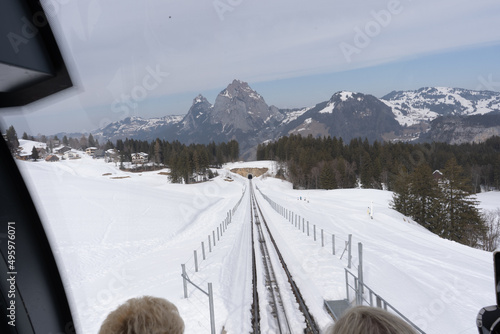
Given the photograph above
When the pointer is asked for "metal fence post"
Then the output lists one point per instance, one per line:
(203, 249)
(184, 280)
(360, 267)
(218, 233)
(213, 235)
(209, 244)
(322, 239)
(356, 290)
(349, 256)
(347, 285)
(333, 244)
(195, 261)
(314, 228)
(211, 303)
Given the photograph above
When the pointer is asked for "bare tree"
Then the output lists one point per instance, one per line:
(492, 221)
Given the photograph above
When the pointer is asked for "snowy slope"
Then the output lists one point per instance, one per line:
(123, 235)
(426, 104)
(26, 146)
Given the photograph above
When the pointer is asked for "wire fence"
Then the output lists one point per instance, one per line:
(364, 295)
(340, 246)
(206, 247)
(200, 254)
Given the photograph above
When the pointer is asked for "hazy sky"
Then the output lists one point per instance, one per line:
(151, 58)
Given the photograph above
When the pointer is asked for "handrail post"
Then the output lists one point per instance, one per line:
(211, 303)
(360, 267)
(349, 256)
(184, 280)
(195, 261)
(333, 244)
(347, 284)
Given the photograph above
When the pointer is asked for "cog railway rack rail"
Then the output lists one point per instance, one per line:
(279, 311)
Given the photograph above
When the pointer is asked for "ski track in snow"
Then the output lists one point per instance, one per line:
(115, 239)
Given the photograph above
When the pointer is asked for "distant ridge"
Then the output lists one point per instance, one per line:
(240, 113)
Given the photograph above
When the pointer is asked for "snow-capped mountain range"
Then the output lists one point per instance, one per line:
(426, 104)
(240, 113)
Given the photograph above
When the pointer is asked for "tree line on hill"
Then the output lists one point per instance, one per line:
(329, 163)
(187, 163)
(432, 183)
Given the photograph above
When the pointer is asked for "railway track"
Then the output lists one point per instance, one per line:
(278, 306)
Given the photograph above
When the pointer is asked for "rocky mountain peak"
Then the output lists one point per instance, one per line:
(240, 113)
(241, 90)
(200, 99)
(240, 107)
(343, 96)
(197, 114)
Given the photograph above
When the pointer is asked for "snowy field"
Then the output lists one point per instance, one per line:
(119, 235)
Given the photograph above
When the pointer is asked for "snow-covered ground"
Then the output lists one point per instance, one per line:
(119, 235)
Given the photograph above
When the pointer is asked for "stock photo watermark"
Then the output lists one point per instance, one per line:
(120, 279)
(28, 31)
(201, 200)
(427, 314)
(224, 6)
(11, 273)
(488, 83)
(152, 80)
(363, 36)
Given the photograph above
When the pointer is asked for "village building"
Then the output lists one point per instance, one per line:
(62, 150)
(139, 158)
(70, 155)
(42, 152)
(437, 175)
(91, 150)
(52, 158)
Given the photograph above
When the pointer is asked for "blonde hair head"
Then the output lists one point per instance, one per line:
(144, 315)
(370, 320)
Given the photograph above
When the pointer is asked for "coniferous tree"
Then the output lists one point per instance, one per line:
(327, 177)
(157, 151)
(425, 198)
(12, 141)
(83, 142)
(34, 154)
(461, 221)
(401, 199)
(175, 173)
(496, 173)
(25, 135)
(234, 149)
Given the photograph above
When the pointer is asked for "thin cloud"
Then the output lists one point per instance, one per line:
(113, 43)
